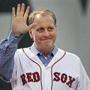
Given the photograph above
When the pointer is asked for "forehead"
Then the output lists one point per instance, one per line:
(44, 19)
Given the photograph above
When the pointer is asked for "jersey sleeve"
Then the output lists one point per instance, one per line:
(84, 83)
(7, 51)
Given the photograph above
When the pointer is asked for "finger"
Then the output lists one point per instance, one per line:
(26, 12)
(18, 9)
(13, 11)
(22, 9)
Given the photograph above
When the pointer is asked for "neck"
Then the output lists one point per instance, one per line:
(45, 51)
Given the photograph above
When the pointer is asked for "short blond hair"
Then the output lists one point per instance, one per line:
(41, 12)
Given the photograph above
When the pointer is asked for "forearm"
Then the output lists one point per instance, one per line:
(7, 51)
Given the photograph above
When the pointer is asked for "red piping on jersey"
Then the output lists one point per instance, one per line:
(37, 64)
(52, 68)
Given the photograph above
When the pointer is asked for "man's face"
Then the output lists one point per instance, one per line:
(44, 33)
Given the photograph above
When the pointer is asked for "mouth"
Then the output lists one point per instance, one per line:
(46, 39)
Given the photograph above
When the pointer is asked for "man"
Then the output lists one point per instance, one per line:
(42, 66)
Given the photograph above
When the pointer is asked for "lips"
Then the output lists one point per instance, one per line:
(45, 38)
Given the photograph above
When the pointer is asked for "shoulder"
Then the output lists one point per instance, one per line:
(21, 51)
(70, 55)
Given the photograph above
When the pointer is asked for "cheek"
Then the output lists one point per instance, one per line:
(54, 36)
(36, 37)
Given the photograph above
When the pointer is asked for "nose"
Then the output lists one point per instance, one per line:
(46, 33)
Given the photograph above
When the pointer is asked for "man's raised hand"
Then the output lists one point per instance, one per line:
(19, 19)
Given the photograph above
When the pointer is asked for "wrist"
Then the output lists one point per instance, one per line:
(12, 34)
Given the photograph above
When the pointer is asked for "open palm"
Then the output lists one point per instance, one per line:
(19, 18)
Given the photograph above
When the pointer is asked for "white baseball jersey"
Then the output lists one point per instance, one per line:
(64, 72)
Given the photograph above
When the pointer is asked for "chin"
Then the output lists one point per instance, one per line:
(48, 46)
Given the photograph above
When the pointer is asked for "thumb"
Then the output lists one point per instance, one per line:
(32, 26)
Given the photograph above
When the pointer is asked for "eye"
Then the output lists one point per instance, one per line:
(50, 28)
(41, 29)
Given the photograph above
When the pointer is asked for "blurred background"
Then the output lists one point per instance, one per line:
(73, 24)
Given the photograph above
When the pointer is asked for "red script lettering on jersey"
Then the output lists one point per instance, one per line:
(64, 78)
(30, 77)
